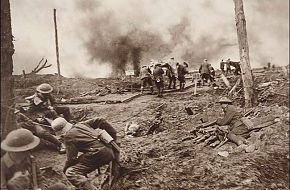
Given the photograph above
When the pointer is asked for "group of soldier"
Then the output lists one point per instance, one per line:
(225, 67)
(155, 73)
(43, 121)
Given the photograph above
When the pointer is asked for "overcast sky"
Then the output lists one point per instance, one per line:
(189, 30)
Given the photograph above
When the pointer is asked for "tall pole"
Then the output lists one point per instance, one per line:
(247, 76)
(7, 82)
(56, 45)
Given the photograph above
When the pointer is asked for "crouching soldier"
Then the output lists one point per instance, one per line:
(85, 138)
(238, 131)
(42, 101)
(16, 162)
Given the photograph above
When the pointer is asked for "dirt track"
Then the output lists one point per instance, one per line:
(171, 164)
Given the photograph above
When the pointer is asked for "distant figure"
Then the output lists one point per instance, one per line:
(228, 67)
(204, 72)
(172, 73)
(222, 66)
(158, 78)
(146, 78)
(181, 72)
(236, 65)
(212, 73)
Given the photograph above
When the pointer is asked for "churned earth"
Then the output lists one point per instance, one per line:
(163, 161)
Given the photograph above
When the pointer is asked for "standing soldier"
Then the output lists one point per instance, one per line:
(94, 139)
(212, 73)
(204, 72)
(146, 78)
(16, 163)
(158, 78)
(222, 66)
(228, 66)
(181, 72)
(171, 73)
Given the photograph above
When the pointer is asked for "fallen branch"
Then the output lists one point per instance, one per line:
(39, 67)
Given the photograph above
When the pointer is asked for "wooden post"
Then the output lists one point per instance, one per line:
(195, 87)
(56, 45)
(7, 81)
(247, 76)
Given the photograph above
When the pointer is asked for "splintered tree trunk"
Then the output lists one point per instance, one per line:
(7, 50)
(247, 75)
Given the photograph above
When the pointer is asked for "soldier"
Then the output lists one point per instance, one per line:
(228, 67)
(238, 131)
(222, 66)
(211, 73)
(146, 78)
(43, 102)
(204, 72)
(181, 72)
(39, 131)
(16, 163)
(85, 137)
(171, 73)
(158, 78)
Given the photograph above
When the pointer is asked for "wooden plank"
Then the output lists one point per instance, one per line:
(225, 80)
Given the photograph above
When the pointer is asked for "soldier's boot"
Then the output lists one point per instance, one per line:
(151, 89)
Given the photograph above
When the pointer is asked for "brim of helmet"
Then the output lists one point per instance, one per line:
(44, 92)
(64, 130)
(225, 102)
(30, 146)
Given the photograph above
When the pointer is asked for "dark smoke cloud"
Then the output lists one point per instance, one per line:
(99, 37)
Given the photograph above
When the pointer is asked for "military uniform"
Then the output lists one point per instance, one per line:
(237, 127)
(146, 78)
(181, 72)
(158, 77)
(83, 137)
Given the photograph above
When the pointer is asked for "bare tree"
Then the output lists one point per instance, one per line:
(247, 75)
(7, 82)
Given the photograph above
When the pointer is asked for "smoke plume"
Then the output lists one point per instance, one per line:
(98, 38)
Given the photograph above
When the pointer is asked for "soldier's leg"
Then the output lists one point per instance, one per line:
(150, 84)
(174, 82)
(42, 133)
(87, 163)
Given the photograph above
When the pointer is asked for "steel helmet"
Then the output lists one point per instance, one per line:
(19, 140)
(60, 126)
(44, 88)
(225, 100)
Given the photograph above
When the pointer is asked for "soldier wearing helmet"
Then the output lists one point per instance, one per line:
(16, 161)
(42, 101)
(238, 131)
(85, 138)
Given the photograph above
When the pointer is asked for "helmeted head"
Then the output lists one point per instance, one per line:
(205, 60)
(185, 64)
(225, 101)
(44, 88)
(229, 59)
(60, 126)
(172, 58)
(19, 140)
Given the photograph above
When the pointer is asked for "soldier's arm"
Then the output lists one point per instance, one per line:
(71, 155)
(100, 123)
(227, 118)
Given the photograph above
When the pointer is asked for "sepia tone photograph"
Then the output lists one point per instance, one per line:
(145, 95)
